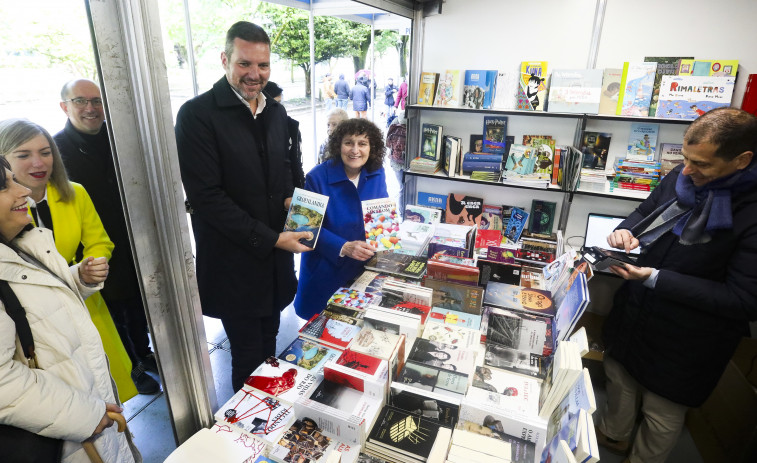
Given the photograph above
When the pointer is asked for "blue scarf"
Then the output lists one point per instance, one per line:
(696, 212)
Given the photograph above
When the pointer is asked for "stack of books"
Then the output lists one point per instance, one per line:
(636, 175)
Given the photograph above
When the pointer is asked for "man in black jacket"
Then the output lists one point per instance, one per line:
(684, 308)
(233, 153)
(85, 149)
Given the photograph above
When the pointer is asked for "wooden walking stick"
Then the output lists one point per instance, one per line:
(89, 446)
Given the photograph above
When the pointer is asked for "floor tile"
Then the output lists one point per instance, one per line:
(153, 434)
(220, 362)
(214, 331)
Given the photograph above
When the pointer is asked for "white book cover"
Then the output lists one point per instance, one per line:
(506, 90)
(575, 91)
(262, 415)
(283, 380)
(688, 97)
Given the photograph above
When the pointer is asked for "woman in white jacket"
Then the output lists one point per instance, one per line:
(68, 396)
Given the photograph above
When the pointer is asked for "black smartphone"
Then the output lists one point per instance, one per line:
(602, 259)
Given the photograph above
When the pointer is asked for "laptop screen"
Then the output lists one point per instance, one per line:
(598, 227)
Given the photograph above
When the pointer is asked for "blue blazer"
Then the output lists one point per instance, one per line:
(322, 271)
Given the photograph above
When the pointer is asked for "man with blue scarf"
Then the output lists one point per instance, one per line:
(684, 308)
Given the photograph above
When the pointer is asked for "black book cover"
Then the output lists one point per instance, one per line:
(443, 412)
(404, 432)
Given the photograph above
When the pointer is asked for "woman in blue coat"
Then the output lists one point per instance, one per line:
(353, 172)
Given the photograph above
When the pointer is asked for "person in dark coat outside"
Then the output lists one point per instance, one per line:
(273, 90)
(353, 172)
(687, 303)
(85, 149)
(233, 145)
(389, 92)
(342, 90)
(361, 99)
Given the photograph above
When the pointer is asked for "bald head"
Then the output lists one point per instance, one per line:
(82, 103)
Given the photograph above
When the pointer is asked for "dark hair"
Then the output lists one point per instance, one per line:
(732, 130)
(246, 31)
(3, 185)
(272, 89)
(534, 78)
(358, 127)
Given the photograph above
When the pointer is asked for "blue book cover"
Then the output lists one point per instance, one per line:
(571, 308)
(516, 224)
(483, 157)
(309, 355)
(470, 166)
(495, 131)
(306, 214)
(478, 89)
(642, 142)
(432, 200)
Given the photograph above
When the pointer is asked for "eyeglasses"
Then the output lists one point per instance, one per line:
(82, 102)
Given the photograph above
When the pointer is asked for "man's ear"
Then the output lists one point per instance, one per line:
(744, 159)
(64, 107)
(223, 59)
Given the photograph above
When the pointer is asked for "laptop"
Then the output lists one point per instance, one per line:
(598, 227)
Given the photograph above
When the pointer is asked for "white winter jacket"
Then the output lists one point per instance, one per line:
(65, 398)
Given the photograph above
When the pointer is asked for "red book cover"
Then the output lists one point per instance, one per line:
(413, 308)
(359, 362)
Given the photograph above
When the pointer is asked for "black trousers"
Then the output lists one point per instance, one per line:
(252, 340)
(131, 323)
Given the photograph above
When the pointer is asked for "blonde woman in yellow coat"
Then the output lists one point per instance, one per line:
(36, 164)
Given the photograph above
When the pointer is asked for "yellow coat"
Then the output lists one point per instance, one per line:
(77, 222)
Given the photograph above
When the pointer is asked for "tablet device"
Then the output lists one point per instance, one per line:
(602, 259)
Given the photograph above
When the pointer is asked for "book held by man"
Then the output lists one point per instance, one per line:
(306, 214)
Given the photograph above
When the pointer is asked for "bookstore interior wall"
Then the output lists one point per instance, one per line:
(499, 34)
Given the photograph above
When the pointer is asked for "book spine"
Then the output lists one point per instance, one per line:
(469, 166)
(483, 157)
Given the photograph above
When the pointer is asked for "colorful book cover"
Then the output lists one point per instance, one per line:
(454, 317)
(382, 224)
(306, 214)
(309, 355)
(463, 210)
(701, 68)
(491, 218)
(283, 380)
(506, 90)
(422, 214)
(427, 88)
(516, 224)
(521, 160)
(666, 66)
(642, 141)
(348, 297)
(431, 142)
(688, 97)
(495, 130)
(516, 297)
(449, 89)
(258, 413)
(542, 216)
(432, 200)
(595, 146)
(478, 90)
(575, 91)
(608, 101)
(532, 91)
(328, 331)
(302, 442)
(685, 67)
(722, 68)
(636, 86)
(571, 308)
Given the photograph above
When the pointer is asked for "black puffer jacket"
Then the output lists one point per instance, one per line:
(677, 339)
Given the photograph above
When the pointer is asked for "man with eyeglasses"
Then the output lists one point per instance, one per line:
(85, 149)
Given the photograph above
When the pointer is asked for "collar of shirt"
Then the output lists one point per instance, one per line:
(261, 102)
(32, 203)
